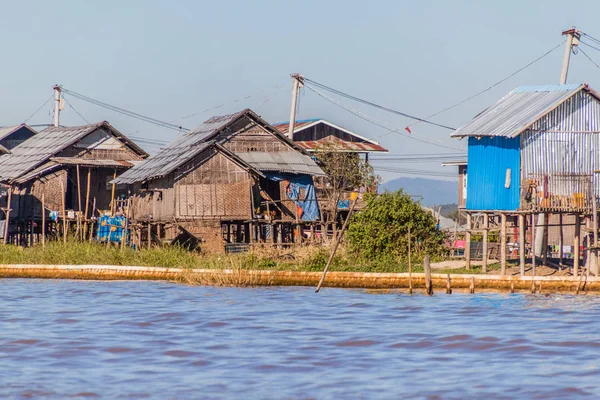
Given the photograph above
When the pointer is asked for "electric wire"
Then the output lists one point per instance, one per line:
(123, 111)
(369, 103)
(76, 112)
(38, 110)
(589, 58)
(589, 45)
(375, 122)
(491, 86)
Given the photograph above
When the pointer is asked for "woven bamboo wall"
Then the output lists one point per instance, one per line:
(27, 199)
(219, 188)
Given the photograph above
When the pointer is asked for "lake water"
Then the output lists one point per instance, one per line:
(70, 339)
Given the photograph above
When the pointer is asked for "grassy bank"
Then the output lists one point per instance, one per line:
(300, 259)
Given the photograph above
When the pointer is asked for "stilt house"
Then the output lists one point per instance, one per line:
(233, 179)
(67, 169)
(536, 151)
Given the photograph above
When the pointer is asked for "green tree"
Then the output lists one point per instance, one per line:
(380, 231)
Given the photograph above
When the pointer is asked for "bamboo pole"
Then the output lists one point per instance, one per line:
(428, 284)
(410, 287)
(468, 241)
(8, 209)
(560, 241)
(522, 244)
(336, 242)
(503, 244)
(533, 244)
(485, 243)
(576, 245)
(43, 219)
(91, 216)
(112, 196)
(64, 212)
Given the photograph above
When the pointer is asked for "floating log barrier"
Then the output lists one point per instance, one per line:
(367, 280)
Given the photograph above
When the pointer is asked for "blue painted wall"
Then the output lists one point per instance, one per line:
(489, 158)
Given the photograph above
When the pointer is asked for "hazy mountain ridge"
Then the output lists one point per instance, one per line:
(433, 191)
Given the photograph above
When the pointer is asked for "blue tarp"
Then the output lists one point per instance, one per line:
(112, 228)
(295, 183)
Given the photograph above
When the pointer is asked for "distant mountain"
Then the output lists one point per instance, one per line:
(433, 191)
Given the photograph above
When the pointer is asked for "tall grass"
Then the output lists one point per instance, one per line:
(298, 259)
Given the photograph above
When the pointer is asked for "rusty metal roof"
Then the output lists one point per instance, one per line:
(285, 161)
(41, 147)
(190, 145)
(334, 142)
(518, 110)
(361, 145)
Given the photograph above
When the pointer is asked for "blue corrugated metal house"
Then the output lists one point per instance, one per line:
(537, 148)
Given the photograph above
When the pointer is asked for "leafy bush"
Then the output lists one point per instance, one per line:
(380, 231)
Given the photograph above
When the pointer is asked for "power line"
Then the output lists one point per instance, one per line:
(589, 58)
(76, 112)
(38, 110)
(376, 123)
(123, 111)
(369, 103)
(492, 86)
(591, 37)
(589, 45)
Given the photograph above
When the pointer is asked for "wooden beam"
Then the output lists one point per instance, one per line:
(503, 244)
(576, 245)
(43, 219)
(485, 243)
(8, 209)
(522, 249)
(468, 241)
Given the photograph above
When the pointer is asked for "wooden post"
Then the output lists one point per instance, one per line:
(87, 193)
(485, 243)
(503, 244)
(545, 240)
(410, 287)
(472, 286)
(8, 209)
(427, 268)
(576, 245)
(561, 242)
(448, 285)
(149, 235)
(43, 219)
(112, 196)
(533, 244)
(64, 212)
(336, 242)
(595, 265)
(522, 244)
(468, 241)
(91, 216)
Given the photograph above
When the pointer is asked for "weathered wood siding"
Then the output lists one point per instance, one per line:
(218, 188)
(255, 139)
(26, 200)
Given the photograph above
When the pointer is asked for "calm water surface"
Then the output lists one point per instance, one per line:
(64, 339)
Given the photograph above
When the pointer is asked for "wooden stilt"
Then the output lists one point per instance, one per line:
(522, 249)
(576, 245)
(428, 284)
(561, 242)
(8, 209)
(409, 264)
(149, 235)
(91, 216)
(485, 243)
(468, 241)
(64, 212)
(545, 240)
(43, 219)
(503, 244)
(533, 249)
(112, 196)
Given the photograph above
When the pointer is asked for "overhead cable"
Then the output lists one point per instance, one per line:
(375, 122)
(123, 111)
(38, 110)
(493, 85)
(369, 103)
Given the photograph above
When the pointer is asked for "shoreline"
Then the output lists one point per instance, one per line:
(363, 280)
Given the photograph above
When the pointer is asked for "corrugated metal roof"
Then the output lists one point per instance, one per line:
(340, 145)
(188, 146)
(179, 152)
(516, 111)
(7, 130)
(39, 148)
(300, 125)
(287, 161)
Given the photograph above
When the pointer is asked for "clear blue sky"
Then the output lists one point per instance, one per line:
(169, 59)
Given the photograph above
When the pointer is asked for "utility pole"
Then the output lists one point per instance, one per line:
(298, 82)
(573, 36)
(57, 104)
